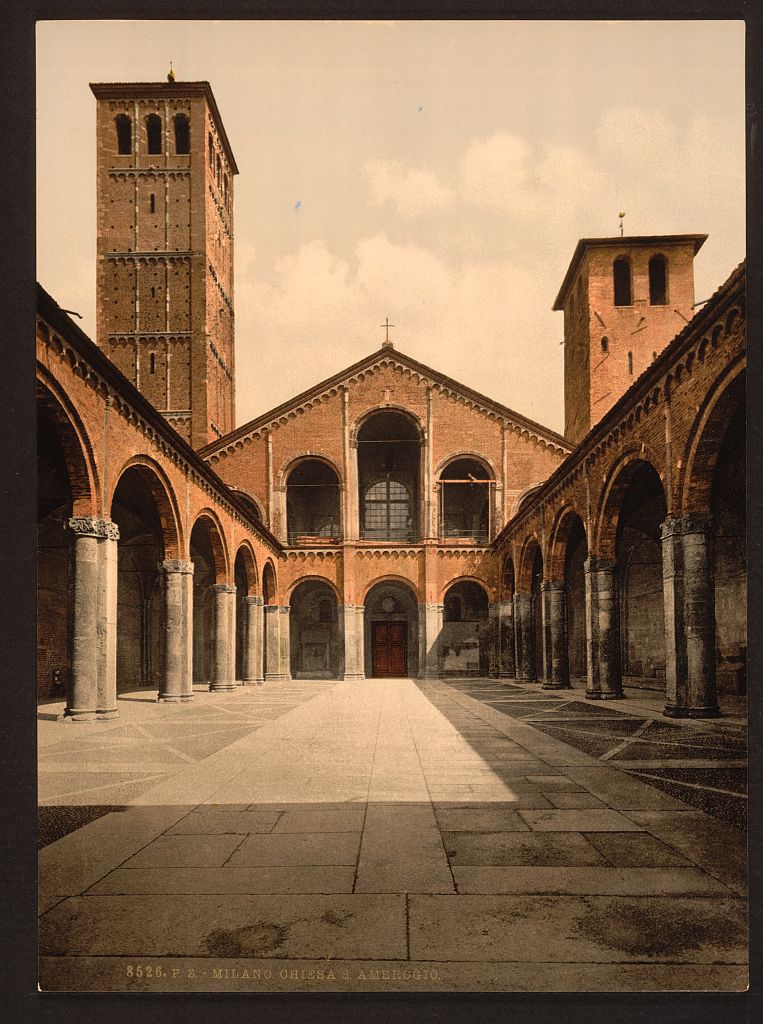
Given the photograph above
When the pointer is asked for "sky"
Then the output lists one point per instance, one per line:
(437, 173)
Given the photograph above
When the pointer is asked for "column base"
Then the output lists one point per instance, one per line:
(353, 675)
(277, 677)
(107, 716)
(186, 697)
(603, 695)
(556, 686)
(259, 680)
(247, 682)
(170, 698)
(506, 675)
(710, 712)
(222, 687)
(75, 715)
(674, 711)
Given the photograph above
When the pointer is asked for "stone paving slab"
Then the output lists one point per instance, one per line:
(357, 926)
(595, 881)
(263, 880)
(578, 820)
(552, 849)
(346, 820)
(179, 851)
(244, 822)
(213, 974)
(635, 849)
(581, 929)
(487, 818)
(297, 849)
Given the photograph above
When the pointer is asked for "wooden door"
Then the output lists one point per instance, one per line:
(389, 649)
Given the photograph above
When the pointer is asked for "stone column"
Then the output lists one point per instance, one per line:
(259, 654)
(506, 660)
(494, 640)
(223, 660)
(430, 628)
(676, 676)
(602, 631)
(186, 580)
(177, 637)
(689, 616)
(93, 689)
(555, 662)
(250, 638)
(277, 652)
(523, 635)
(352, 632)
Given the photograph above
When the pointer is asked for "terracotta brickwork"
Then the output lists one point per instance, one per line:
(165, 251)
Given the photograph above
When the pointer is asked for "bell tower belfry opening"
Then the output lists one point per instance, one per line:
(165, 317)
(623, 299)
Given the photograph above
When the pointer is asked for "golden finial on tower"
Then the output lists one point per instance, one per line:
(170, 74)
(621, 215)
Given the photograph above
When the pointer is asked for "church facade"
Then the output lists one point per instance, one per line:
(389, 521)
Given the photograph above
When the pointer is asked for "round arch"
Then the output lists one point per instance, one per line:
(314, 578)
(566, 520)
(315, 630)
(619, 478)
(530, 546)
(508, 578)
(295, 461)
(465, 640)
(391, 629)
(246, 560)
(391, 578)
(467, 578)
(75, 445)
(161, 491)
(707, 435)
(269, 583)
(250, 502)
(473, 456)
(362, 418)
(208, 520)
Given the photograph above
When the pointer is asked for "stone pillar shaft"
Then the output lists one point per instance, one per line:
(250, 639)
(687, 545)
(352, 635)
(430, 624)
(523, 635)
(223, 656)
(602, 631)
(506, 659)
(174, 684)
(277, 648)
(555, 634)
(93, 690)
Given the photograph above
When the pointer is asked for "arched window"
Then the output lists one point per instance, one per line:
(387, 511)
(312, 503)
(182, 134)
(621, 274)
(154, 133)
(605, 344)
(465, 488)
(658, 281)
(124, 135)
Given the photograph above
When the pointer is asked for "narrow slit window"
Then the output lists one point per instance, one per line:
(154, 133)
(621, 273)
(605, 344)
(182, 134)
(124, 135)
(152, 363)
(219, 172)
(211, 152)
(630, 363)
(152, 203)
(658, 281)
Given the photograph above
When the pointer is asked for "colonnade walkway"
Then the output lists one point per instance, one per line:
(385, 835)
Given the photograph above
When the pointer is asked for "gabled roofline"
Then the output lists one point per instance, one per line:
(385, 352)
(722, 296)
(618, 241)
(119, 90)
(49, 310)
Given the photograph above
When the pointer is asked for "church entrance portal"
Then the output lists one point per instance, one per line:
(389, 649)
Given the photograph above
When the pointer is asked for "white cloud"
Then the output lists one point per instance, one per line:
(495, 172)
(413, 191)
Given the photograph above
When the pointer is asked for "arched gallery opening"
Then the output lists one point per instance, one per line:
(507, 665)
(465, 639)
(141, 610)
(312, 503)
(391, 633)
(316, 649)
(268, 598)
(388, 477)
(465, 489)
(54, 562)
(245, 579)
(207, 557)
(536, 616)
(638, 554)
(575, 555)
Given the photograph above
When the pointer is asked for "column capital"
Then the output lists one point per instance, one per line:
(91, 526)
(434, 606)
(552, 585)
(689, 522)
(223, 588)
(599, 565)
(172, 565)
(253, 599)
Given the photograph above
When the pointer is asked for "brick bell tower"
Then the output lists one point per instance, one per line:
(165, 249)
(624, 300)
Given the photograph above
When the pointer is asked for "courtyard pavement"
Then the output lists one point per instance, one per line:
(391, 835)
